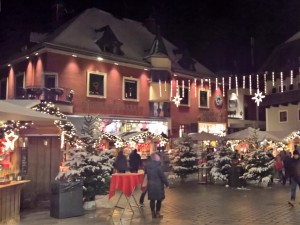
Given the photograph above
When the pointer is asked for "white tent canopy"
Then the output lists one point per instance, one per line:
(251, 133)
(10, 111)
(203, 136)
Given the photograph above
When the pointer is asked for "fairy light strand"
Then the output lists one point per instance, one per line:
(182, 83)
(159, 82)
(250, 84)
(273, 79)
(209, 86)
(229, 85)
(195, 83)
(265, 83)
(292, 77)
(281, 81)
(189, 82)
(236, 86)
(244, 82)
(201, 85)
(223, 86)
(257, 82)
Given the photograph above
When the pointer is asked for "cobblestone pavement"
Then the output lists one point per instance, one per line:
(192, 204)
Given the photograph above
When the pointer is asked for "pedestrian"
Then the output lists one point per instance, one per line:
(135, 161)
(120, 163)
(278, 165)
(286, 164)
(156, 182)
(295, 176)
(144, 192)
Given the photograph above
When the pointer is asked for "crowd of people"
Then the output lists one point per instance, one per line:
(154, 168)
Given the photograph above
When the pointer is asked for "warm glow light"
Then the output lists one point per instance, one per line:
(244, 82)
(116, 64)
(292, 77)
(9, 65)
(201, 86)
(273, 79)
(265, 83)
(145, 69)
(27, 57)
(236, 86)
(250, 84)
(223, 86)
(195, 83)
(10, 141)
(209, 86)
(36, 53)
(229, 81)
(216, 83)
(99, 58)
(281, 81)
(74, 55)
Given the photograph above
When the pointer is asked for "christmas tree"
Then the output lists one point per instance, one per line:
(221, 162)
(88, 164)
(184, 159)
(259, 167)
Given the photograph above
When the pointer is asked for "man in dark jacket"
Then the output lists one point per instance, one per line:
(135, 161)
(156, 182)
(294, 171)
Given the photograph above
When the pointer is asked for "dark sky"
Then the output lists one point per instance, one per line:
(217, 33)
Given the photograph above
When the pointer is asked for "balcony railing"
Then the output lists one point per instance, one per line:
(55, 95)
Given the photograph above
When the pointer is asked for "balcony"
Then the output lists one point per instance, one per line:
(62, 97)
(282, 98)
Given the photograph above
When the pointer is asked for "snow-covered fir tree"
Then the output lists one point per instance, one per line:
(221, 162)
(184, 159)
(259, 167)
(89, 164)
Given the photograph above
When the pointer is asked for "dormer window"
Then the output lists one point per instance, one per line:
(108, 42)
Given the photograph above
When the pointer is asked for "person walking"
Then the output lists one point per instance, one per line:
(156, 182)
(135, 161)
(121, 163)
(294, 171)
(286, 164)
(144, 192)
(278, 165)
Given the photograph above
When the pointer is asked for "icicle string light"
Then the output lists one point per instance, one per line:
(165, 85)
(273, 79)
(250, 85)
(281, 81)
(265, 83)
(257, 82)
(159, 87)
(171, 95)
(223, 86)
(209, 86)
(201, 85)
(216, 83)
(236, 86)
(229, 87)
(195, 83)
(292, 77)
(244, 82)
(182, 83)
(189, 86)
(177, 88)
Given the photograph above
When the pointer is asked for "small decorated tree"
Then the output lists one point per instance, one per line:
(184, 159)
(259, 167)
(221, 163)
(88, 164)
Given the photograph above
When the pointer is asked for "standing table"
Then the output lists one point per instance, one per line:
(126, 183)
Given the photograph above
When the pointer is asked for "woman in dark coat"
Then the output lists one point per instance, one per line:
(121, 163)
(156, 182)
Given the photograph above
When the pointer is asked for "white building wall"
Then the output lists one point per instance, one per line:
(272, 118)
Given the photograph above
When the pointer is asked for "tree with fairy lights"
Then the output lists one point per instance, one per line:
(87, 163)
(184, 159)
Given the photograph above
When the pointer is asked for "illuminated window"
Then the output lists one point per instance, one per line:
(283, 116)
(96, 84)
(203, 99)
(130, 89)
(186, 98)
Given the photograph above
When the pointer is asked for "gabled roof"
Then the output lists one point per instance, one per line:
(136, 40)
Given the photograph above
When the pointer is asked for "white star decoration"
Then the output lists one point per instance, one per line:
(258, 97)
(177, 99)
(10, 141)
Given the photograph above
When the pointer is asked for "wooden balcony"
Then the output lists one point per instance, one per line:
(282, 98)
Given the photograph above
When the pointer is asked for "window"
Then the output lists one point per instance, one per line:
(19, 86)
(283, 116)
(96, 84)
(130, 89)
(203, 99)
(186, 97)
(50, 80)
(3, 88)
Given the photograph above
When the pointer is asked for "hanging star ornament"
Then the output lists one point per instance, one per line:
(258, 97)
(10, 141)
(177, 99)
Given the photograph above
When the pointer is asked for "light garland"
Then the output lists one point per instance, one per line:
(195, 83)
(171, 95)
(265, 83)
(159, 82)
(189, 83)
(281, 81)
(244, 82)
(182, 83)
(229, 83)
(257, 82)
(201, 86)
(292, 77)
(165, 85)
(273, 79)
(223, 86)
(250, 84)
(216, 83)
(236, 86)
(209, 86)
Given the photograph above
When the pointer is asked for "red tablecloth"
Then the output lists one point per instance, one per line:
(126, 182)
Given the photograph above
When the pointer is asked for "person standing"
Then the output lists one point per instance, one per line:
(121, 163)
(156, 182)
(135, 161)
(294, 171)
(278, 165)
(144, 192)
(286, 164)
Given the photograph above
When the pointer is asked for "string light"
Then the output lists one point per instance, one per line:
(182, 83)
(159, 82)
(201, 86)
(257, 82)
(244, 82)
(281, 81)
(229, 85)
(265, 83)
(216, 83)
(273, 79)
(292, 77)
(189, 85)
(171, 90)
(223, 86)
(250, 84)
(195, 83)
(165, 85)
(236, 86)
(209, 86)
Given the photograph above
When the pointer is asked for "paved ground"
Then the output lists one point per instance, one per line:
(192, 204)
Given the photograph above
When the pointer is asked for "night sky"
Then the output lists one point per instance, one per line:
(217, 33)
